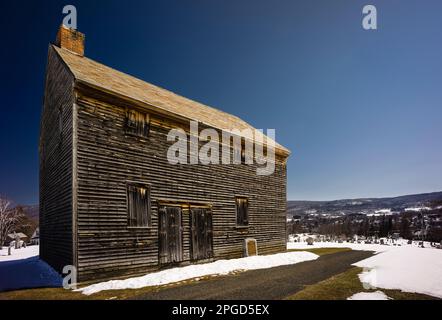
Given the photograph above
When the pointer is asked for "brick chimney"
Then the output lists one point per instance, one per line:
(71, 40)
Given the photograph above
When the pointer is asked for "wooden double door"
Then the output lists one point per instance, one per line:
(171, 234)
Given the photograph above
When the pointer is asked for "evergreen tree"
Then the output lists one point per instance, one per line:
(405, 231)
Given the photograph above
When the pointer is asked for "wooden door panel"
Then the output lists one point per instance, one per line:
(162, 236)
(170, 235)
(201, 233)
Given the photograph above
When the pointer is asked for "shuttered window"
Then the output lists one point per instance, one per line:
(138, 205)
(137, 123)
(242, 214)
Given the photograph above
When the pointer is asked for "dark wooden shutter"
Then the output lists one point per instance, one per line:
(137, 123)
(131, 195)
(131, 120)
(242, 215)
(245, 209)
(138, 211)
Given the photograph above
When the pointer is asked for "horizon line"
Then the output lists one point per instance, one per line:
(362, 198)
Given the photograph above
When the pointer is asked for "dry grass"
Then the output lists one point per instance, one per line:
(322, 251)
(62, 294)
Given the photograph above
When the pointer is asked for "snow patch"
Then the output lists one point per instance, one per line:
(23, 269)
(417, 209)
(409, 268)
(386, 211)
(220, 267)
(377, 295)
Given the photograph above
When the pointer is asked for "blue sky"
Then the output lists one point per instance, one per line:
(361, 110)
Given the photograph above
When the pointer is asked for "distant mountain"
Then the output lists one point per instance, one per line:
(364, 205)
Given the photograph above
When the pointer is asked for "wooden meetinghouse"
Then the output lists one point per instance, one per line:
(111, 204)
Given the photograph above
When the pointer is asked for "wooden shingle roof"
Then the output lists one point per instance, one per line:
(98, 75)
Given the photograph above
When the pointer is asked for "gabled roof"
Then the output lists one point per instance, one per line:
(21, 235)
(98, 75)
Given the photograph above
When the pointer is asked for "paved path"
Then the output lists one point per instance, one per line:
(267, 284)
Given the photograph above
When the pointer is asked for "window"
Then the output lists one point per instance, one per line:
(138, 205)
(242, 214)
(137, 123)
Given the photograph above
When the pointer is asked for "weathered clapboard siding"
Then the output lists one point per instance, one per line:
(88, 160)
(108, 158)
(56, 246)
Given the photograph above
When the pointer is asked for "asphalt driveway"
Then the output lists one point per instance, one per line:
(267, 284)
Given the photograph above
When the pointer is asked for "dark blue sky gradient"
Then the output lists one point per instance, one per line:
(360, 110)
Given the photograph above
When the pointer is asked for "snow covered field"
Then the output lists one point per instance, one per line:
(406, 267)
(220, 267)
(410, 269)
(24, 269)
(18, 254)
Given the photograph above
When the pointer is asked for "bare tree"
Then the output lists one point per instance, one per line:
(9, 218)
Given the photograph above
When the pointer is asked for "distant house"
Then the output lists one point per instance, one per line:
(359, 238)
(110, 202)
(35, 238)
(16, 239)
